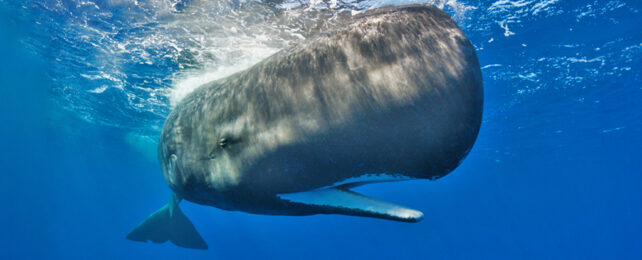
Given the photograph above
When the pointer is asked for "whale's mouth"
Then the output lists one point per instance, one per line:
(340, 199)
(370, 178)
(172, 175)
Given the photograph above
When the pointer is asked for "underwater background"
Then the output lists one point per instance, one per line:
(85, 86)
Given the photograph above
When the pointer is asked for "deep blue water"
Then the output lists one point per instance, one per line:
(85, 86)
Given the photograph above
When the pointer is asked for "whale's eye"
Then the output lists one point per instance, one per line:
(222, 142)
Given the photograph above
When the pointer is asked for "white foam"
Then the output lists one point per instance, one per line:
(189, 81)
(491, 66)
(99, 90)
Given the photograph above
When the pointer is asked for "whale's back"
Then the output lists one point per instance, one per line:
(397, 91)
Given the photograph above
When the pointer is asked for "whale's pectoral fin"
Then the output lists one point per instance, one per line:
(168, 223)
(344, 201)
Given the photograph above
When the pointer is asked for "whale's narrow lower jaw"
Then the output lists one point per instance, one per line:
(340, 199)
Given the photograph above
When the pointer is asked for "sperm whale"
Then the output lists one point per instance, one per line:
(391, 94)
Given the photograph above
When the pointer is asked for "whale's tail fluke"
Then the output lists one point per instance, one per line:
(168, 223)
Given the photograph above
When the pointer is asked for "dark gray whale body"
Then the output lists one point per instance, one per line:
(393, 94)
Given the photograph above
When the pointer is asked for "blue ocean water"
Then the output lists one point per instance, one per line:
(85, 87)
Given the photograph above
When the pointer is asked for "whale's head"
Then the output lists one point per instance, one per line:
(198, 155)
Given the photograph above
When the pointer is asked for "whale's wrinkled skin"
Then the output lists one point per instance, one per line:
(393, 94)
